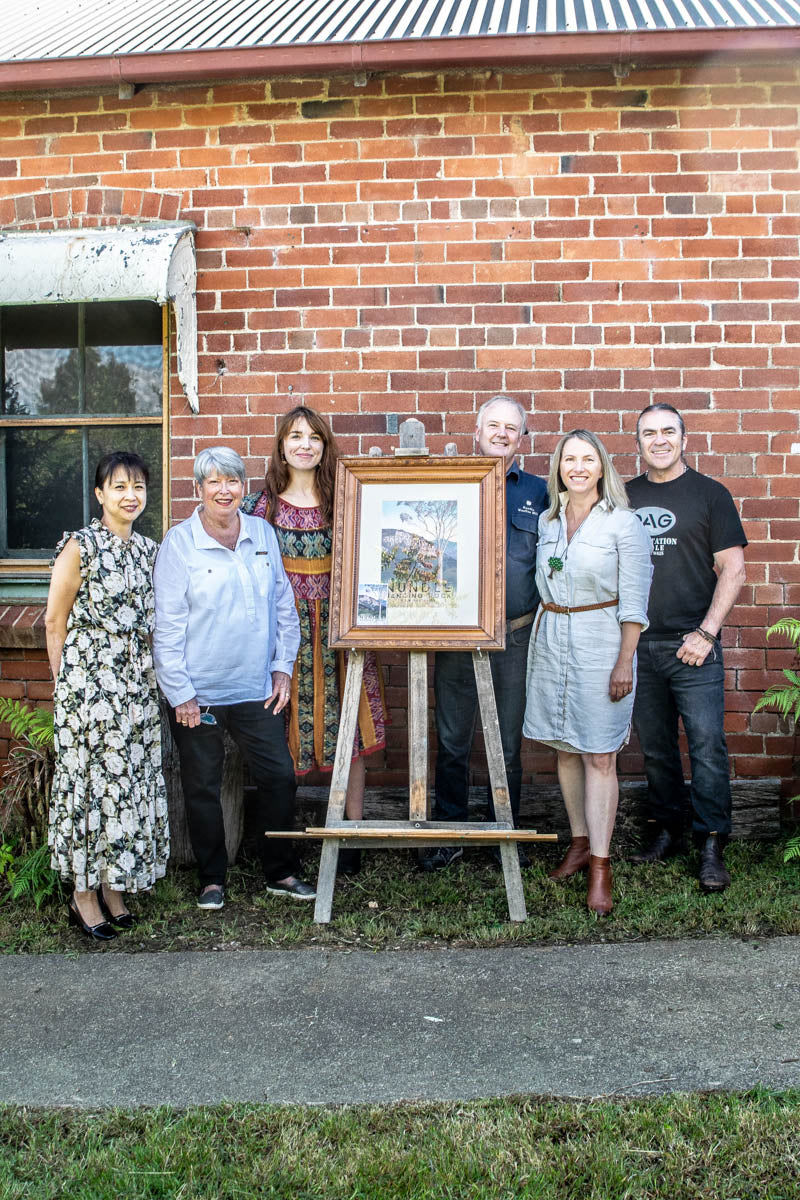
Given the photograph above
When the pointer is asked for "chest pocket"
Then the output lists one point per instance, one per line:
(261, 567)
(549, 538)
(208, 580)
(522, 540)
(599, 544)
(262, 571)
(593, 563)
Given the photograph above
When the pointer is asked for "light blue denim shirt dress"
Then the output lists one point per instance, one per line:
(571, 656)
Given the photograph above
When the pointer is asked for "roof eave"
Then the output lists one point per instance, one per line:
(548, 50)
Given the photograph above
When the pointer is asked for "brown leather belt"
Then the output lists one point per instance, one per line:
(561, 608)
(519, 622)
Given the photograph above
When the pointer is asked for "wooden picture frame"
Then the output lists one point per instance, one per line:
(418, 559)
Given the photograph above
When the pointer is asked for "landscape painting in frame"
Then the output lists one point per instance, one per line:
(426, 580)
(422, 545)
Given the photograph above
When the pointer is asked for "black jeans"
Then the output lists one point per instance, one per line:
(666, 690)
(456, 709)
(261, 737)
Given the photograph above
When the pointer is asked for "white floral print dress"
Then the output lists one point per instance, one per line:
(108, 808)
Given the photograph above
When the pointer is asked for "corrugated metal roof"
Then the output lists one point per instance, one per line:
(47, 29)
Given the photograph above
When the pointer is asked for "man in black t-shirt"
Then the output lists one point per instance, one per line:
(698, 570)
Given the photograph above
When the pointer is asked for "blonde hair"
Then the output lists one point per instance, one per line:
(609, 485)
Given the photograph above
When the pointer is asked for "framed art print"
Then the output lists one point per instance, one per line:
(418, 554)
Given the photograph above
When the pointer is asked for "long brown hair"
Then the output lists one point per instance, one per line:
(277, 477)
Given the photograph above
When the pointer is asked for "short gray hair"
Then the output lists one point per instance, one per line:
(218, 458)
(487, 404)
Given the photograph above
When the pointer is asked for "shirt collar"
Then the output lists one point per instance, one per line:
(601, 504)
(514, 471)
(205, 541)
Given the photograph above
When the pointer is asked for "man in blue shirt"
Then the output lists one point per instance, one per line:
(499, 432)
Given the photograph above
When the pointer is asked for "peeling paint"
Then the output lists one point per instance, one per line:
(130, 262)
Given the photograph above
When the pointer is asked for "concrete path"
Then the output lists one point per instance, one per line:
(321, 1027)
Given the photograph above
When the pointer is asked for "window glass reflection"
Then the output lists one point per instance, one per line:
(45, 481)
(41, 383)
(124, 379)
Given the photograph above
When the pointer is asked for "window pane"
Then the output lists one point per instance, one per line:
(45, 481)
(122, 359)
(43, 486)
(124, 379)
(123, 323)
(39, 325)
(144, 441)
(41, 383)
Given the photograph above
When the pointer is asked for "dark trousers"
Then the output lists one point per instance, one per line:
(261, 737)
(456, 712)
(666, 690)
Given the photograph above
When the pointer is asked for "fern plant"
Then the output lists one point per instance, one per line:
(25, 791)
(32, 876)
(785, 698)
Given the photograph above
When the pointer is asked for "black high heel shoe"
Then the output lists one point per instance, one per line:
(101, 932)
(124, 921)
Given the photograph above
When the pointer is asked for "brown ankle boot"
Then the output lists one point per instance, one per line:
(576, 859)
(598, 896)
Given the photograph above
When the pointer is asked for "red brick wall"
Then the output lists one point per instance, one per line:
(587, 243)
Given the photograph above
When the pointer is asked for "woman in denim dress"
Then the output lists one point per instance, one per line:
(593, 572)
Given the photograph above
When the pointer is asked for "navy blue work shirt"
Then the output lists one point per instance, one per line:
(526, 498)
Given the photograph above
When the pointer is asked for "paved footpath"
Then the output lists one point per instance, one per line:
(321, 1027)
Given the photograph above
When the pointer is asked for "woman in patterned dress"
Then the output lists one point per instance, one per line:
(298, 501)
(108, 809)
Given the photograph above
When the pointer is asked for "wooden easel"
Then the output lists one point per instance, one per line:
(419, 831)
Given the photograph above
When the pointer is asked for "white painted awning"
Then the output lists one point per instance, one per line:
(153, 261)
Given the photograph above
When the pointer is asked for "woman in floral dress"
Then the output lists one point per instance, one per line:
(108, 810)
(298, 501)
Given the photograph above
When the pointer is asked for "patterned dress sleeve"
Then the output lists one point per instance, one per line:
(80, 536)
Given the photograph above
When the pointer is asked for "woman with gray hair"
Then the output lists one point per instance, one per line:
(226, 637)
(593, 573)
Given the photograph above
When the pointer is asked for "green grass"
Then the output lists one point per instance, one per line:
(391, 905)
(717, 1146)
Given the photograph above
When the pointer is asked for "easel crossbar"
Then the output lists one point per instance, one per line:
(433, 835)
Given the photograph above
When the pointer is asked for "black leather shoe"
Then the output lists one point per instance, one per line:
(665, 845)
(102, 932)
(441, 857)
(123, 921)
(298, 889)
(349, 861)
(714, 876)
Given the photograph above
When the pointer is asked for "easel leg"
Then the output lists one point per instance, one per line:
(418, 735)
(509, 855)
(329, 857)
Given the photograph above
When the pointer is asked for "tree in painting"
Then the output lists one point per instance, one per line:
(435, 521)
